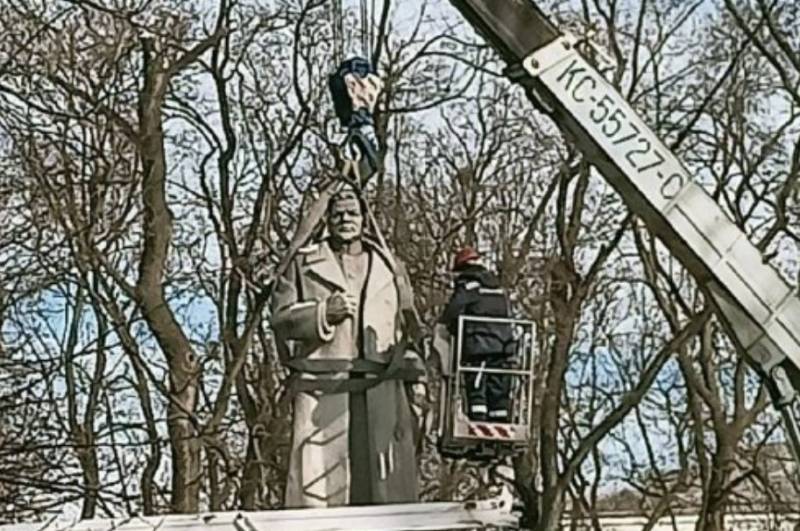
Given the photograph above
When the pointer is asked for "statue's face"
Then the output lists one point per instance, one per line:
(345, 220)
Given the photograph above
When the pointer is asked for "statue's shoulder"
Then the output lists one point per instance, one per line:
(373, 243)
(386, 255)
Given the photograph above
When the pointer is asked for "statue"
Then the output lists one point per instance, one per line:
(337, 312)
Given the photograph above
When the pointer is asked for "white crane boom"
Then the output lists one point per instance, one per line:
(759, 309)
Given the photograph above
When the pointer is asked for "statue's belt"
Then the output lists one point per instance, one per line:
(364, 374)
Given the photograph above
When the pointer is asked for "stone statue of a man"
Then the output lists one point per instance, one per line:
(337, 311)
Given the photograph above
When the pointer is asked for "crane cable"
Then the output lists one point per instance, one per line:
(337, 25)
(372, 37)
(366, 30)
(365, 36)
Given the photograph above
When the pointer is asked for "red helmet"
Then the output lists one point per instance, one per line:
(464, 257)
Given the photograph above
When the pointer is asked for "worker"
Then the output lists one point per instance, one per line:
(478, 293)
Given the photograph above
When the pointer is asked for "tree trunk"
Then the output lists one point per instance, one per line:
(712, 516)
(181, 360)
(552, 503)
(265, 462)
(525, 468)
(251, 478)
(81, 429)
(552, 510)
(91, 480)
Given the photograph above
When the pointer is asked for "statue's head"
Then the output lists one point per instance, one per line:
(345, 216)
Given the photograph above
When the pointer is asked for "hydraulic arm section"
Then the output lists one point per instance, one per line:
(758, 308)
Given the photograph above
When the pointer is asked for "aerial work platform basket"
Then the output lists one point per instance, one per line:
(463, 437)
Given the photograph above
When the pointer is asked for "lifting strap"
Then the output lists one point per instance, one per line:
(398, 368)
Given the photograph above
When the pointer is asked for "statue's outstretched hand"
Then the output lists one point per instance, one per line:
(339, 307)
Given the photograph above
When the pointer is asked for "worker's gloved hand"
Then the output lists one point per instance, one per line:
(339, 307)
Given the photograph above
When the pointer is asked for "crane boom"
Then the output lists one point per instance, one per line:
(756, 305)
(493, 513)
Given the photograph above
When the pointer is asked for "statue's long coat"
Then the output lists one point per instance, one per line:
(347, 448)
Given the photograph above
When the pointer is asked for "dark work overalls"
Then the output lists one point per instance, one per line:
(478, 293)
